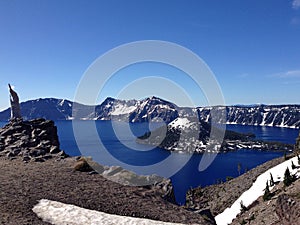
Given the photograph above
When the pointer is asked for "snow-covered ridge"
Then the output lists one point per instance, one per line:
(58, 213)
(156, 109)
(256, 190)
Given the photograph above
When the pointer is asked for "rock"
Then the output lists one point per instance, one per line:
(112, 170)
(54, 150)
(35, 140)
(165, 188)
(39, 159)
(26, 158)
(37, 152)
(82, 165)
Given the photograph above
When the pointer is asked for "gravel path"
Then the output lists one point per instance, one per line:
(22, 185)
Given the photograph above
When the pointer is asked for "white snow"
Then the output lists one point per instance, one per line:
(58, 213)
(180, 123)
(256, 190)
(122, 109)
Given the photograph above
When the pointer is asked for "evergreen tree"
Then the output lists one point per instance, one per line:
(298, 159)
(243, 207)
(267, 195)
(293, 165)
(288, 179)
(271, 180)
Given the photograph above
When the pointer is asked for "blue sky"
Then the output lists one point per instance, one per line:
(252, 46)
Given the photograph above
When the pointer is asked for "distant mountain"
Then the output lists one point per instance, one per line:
(260, 115)
(156, 109)
(48, 108)
(153, 108)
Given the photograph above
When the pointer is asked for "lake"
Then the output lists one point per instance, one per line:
(118, 147)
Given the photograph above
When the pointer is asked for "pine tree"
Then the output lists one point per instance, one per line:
(293, 165)
(267, 195)
(288, 179)
(271, 180)
(243, 207)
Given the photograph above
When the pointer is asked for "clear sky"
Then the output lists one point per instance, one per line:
(252, 46)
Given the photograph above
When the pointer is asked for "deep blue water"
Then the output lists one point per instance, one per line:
(121, 149)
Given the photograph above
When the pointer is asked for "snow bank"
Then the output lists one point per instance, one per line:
(256, 190)
(180, 123)
(63, 214)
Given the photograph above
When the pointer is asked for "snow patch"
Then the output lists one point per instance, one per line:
(122, 109)
(180, 123)
(58, 213)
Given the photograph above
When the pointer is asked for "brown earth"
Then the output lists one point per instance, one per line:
(23, 184)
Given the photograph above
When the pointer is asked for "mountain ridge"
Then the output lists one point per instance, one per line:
(157, 109)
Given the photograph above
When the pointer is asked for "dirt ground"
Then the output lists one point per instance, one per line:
(23, 184)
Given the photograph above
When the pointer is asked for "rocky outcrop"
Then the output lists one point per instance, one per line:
(34, 140)
(119, 175)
